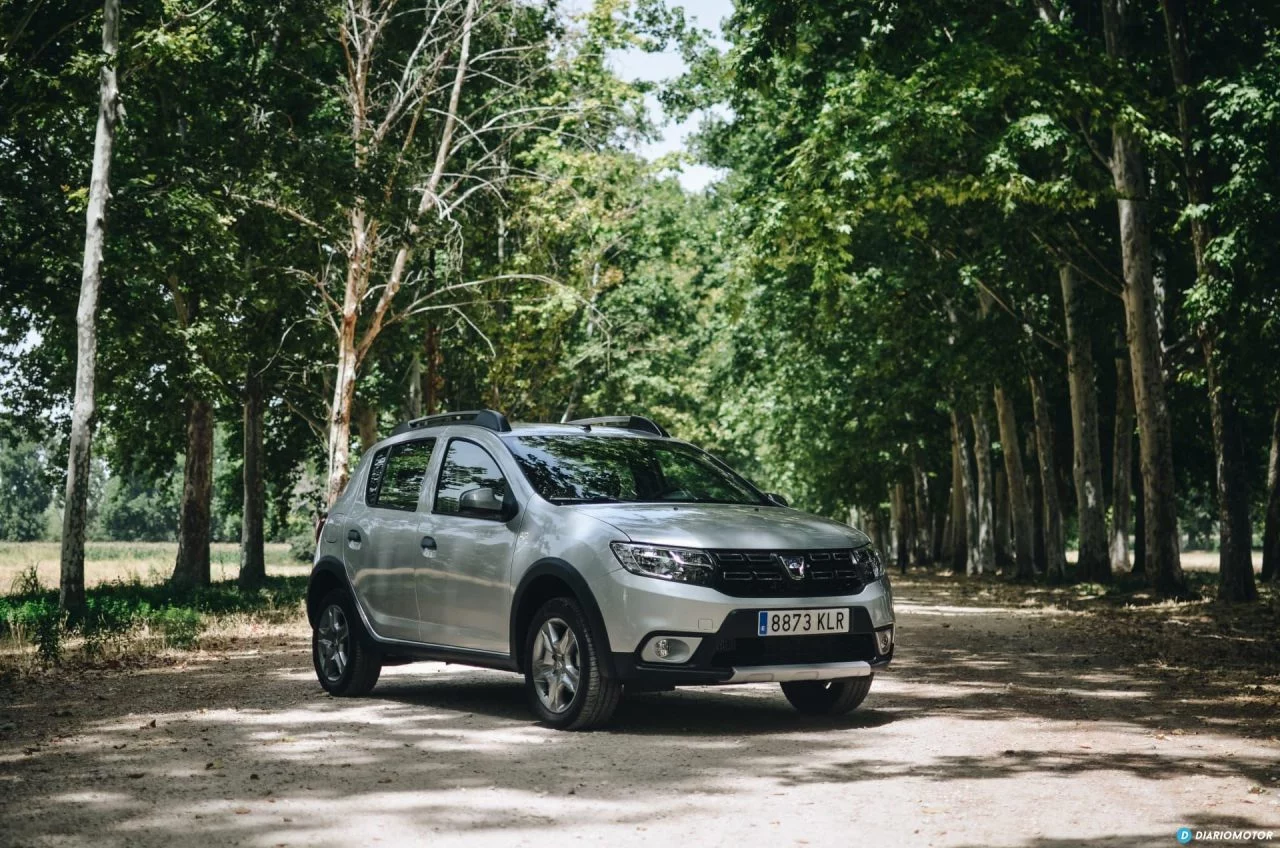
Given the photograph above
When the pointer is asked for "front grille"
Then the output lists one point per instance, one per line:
(794, 650)
(761, 574)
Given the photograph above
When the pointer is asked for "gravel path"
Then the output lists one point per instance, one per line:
(997, 727)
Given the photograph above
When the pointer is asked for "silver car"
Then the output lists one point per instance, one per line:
(589, 557)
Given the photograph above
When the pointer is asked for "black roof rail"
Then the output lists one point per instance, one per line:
(488, 418)
(626, 422)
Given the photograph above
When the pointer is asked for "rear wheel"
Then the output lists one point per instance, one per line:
(562, 669)
(827, 697)
(346, 661)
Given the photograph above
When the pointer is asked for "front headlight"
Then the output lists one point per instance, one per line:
(679, 564)
(869, 563)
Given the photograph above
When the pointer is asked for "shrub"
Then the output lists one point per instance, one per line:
(302, 546)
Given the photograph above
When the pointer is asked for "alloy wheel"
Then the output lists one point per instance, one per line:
(556, 665)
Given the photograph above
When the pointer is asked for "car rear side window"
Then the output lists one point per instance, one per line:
(467, 466)
(395, 477)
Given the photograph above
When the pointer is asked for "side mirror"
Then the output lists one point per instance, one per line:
(482, 502)
(777, 499)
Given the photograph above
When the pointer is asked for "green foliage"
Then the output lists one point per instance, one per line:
(26, 487)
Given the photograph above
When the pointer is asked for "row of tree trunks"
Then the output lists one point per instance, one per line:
(1122, 462)
(1054, 539)
(1093, 561)
(75, 513)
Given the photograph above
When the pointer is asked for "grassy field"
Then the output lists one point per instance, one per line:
(146, 562)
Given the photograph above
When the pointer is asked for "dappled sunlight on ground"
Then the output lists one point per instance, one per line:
(998, 726)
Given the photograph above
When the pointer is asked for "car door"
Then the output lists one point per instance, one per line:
(467, 583)
(382, 538)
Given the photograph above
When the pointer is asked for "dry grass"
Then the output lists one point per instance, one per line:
(145, 562)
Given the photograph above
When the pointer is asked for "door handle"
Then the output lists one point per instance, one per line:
(353, 538)
(428, 543)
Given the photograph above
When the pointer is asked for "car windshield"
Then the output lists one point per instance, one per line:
(618, 469)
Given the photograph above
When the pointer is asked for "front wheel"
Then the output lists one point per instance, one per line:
(345, 659)
(827, 697)
(562, 669)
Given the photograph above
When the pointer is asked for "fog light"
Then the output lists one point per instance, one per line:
(884, 641)
(670, 649)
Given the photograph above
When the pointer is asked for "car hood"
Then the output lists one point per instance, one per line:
(734, 526)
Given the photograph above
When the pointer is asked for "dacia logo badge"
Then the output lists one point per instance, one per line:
(795, 566)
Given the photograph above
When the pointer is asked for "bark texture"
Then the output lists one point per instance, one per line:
(898, 510)
(1122, 463)
(1235, 529)
(253, 565)
(1128, 173)
(1271, 530)
(986, 546)
(1020, 506)
(1055, 549)
(192, 565)
(1004, 534)
(960, 427)
(958, 522)
(1094, 561)
(75, 513)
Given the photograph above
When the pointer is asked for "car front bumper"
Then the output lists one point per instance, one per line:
(715, 639)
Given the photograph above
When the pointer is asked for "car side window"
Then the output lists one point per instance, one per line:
(395, 477)
(467, 466)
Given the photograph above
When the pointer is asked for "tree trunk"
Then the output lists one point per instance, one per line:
(1122, 463)
(939, 509)
(1128, 172)
(1019, 500)
(1004, 535)
(1037, 516)
(1055, 549)
(192, 565)
(366, 420)
(253, 565)
(1094, 561)
(923, 521)
(1235, 530)
(75, 514)
(901, 528)
(344, 382)
(957, 521)
(1139, 524)
(971, 520)
(1271, 530)
(986, 548)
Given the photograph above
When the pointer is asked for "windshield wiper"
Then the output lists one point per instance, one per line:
(591, 500)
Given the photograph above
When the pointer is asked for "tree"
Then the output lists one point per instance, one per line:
(74, 520)
(25, 492)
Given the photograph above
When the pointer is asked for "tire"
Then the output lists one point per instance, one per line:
(346, 661)
(562, 669)
(827, 697)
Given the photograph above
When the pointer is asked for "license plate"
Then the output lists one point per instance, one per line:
(802, 622)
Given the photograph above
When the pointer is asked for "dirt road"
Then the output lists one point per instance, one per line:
(999, 726)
